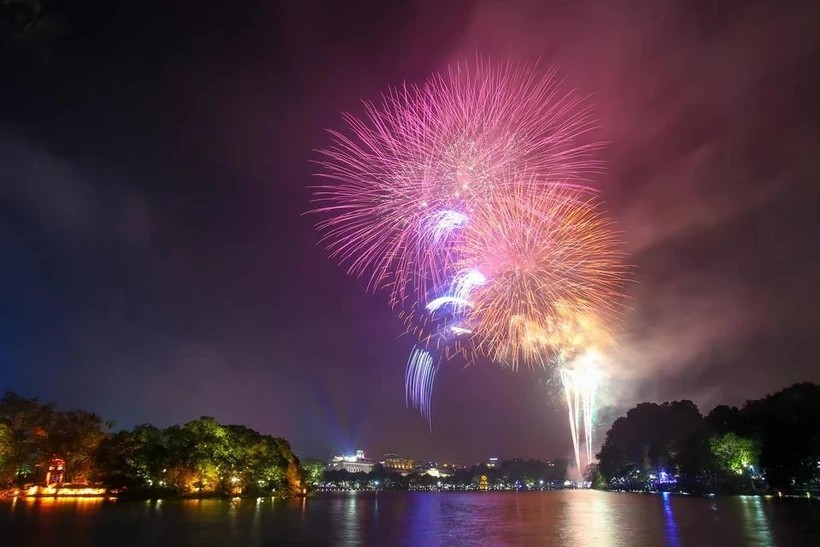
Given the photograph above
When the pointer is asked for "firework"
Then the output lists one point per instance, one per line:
(551, 268)
(420, 376)
(466, 198)
(406, 175)
(581, 379)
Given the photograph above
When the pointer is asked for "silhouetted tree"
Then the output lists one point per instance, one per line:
(788, 427)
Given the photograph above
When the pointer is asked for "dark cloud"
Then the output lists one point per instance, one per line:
(158, 265)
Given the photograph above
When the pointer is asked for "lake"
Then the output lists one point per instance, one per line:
(562, 518)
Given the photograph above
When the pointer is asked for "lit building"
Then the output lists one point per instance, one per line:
(436, 472)
(395, 463)
(352, 464)
(493, 462)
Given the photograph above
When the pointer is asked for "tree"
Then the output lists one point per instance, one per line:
(75, 437)
(653, 441)
(135, 459)
(724, 419)
(26, 423)
(735, 454)
(201, 457)
(314, 471)
(5, 451)
(788, 426)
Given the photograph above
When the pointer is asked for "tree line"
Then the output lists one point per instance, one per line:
(769, 444)
(201, 457)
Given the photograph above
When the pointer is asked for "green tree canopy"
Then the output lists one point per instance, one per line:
(735, 454)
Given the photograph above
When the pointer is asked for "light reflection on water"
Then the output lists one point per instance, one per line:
(74, 504)
(588, 520)
(672, 537)
(565, 518)
(756, 521)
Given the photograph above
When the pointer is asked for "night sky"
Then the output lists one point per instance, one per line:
(157, 264)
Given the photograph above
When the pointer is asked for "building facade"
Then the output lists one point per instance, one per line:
(357, 463)
(397, 464)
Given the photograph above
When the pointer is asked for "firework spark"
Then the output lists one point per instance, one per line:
(406, 175)
(551, 263)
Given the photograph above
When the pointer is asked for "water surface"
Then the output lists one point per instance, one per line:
(561, 518)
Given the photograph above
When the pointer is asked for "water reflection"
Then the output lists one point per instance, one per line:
(81, 505)
(562, 519)
(756, 521)
(424, 520)
(351, 531)
(590, 519)
(672, 536)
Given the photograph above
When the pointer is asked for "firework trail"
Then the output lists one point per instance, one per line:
(420, 376)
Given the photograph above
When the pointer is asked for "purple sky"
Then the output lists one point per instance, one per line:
(157, 265)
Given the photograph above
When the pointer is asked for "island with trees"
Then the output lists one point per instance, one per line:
(199, 458)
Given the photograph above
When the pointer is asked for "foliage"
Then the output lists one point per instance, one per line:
(75, 436)
(27, 424)
(671, 447)
(314, 471)
(788, 426)
(201, 457)
(652, 439)
(5, 448)
(734, 453)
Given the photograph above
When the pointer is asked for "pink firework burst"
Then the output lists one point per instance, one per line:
(404, 177)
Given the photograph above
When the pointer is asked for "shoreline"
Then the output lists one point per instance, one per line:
(113, 494)
(110, 496)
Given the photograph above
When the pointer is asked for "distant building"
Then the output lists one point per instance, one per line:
(352, 464)
(397, 464)
(436, 472)
(493, 462)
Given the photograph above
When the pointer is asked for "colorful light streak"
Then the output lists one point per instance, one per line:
(420, 377)
(442, 301)
(443, 223)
